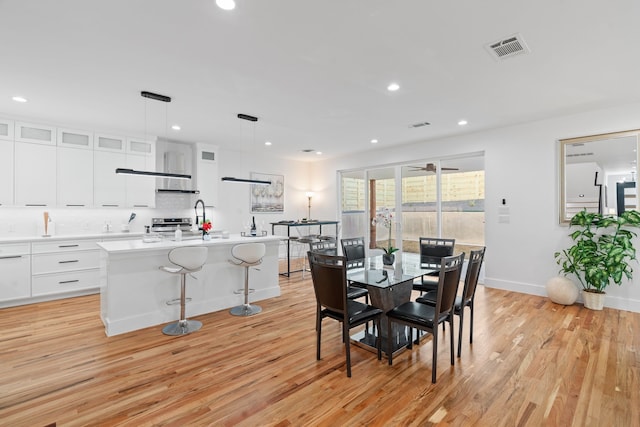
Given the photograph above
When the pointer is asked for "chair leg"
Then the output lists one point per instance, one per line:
(460, 330)
(451, 337)
(389, 342)
(182, 326)
(471, 323)
(434, 357)
(378, 338)
(345, 332)
(318, 334)
(246, 309)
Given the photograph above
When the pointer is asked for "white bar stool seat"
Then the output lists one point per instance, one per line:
(247, 255)
(188, 259)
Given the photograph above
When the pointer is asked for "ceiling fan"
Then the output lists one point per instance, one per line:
(431, 167)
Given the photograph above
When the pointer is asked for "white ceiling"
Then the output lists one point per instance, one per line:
(314, 72)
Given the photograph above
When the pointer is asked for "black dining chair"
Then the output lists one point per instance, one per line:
(468, 294)
(353, 248)
(329, 275)
(329, 247)
(432, 250)
(426, 317)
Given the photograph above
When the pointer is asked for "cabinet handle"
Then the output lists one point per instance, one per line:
(67, 262)
(10, 256)
(68, 246)
(110, 206)
(140, 206)
(68, 281)
(75, 206)
(35, 204)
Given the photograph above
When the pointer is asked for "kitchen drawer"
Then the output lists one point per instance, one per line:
(13, 249)
(63, 246)
(65, 282)
(59, 262)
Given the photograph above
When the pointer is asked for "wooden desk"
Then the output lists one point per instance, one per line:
(288, 225)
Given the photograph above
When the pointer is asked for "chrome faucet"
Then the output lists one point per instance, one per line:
(199, 201)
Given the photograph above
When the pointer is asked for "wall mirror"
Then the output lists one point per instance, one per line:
(598, 173)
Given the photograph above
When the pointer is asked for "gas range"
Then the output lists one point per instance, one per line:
(169, 225)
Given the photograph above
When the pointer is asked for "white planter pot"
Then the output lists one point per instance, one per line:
(593, 300)
(562, 290)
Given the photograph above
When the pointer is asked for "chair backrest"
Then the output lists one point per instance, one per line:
(249, 253)
(432, 249)
(353, 248)
(189, 257)
(473, 272)
(327, 247)
(448, 280)
(329, 276)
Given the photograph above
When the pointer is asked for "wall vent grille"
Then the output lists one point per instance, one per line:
(508, 47)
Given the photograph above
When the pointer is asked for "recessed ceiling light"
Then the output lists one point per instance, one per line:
(19, 99)
(318, 152)
(393, 87)
(462, 122)
(226, 4)
(374, 141)
(268, 143)
(175, 127)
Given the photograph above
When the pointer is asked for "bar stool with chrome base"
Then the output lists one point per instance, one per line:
(247, 255)
(188, 259)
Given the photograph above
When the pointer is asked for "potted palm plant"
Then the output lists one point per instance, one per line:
(601, 252)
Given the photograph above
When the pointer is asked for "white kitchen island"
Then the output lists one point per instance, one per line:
(134, 292)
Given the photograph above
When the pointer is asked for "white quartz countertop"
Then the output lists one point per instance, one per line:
(63, 237)
(137, 245)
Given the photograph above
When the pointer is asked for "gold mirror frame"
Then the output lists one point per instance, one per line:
(568, 203)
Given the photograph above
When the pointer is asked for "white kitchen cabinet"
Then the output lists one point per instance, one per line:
(35, 133)
(15, 265)
(111, 143)
(35, 174)
(207, 173)
(6, 129)
(109, 188)
(64, 266)
(75, 177)
(140, 189)
(75, 139)
(141, 147)
(6, 172)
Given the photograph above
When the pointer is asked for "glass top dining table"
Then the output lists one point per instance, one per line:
(388, 286)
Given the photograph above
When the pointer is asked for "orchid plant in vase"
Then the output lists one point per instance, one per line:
(385, 218)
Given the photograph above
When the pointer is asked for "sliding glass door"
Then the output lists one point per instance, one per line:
(432, 198)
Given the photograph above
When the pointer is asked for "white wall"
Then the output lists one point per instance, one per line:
(521, 166)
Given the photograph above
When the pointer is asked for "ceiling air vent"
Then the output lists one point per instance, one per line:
(419, 125)
(579, 154)
(510, 46)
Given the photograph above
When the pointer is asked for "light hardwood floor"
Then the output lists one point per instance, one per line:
(532, 363)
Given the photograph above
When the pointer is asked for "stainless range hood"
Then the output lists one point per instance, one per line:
(176, 161)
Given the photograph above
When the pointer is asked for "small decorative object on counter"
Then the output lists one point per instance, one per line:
(206, 227)
(254, 230)
(178, 235)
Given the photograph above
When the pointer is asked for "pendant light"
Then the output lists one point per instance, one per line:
(245, 180)
(127, 171)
